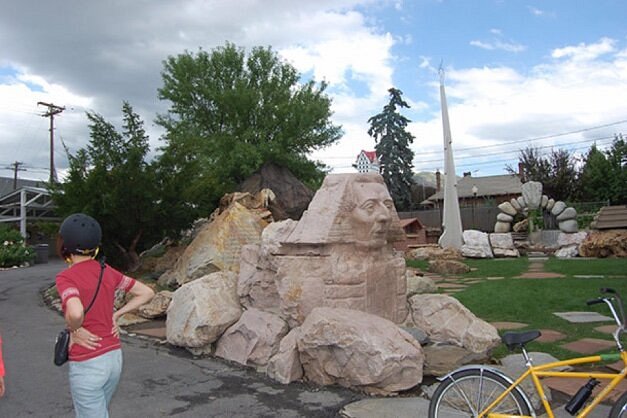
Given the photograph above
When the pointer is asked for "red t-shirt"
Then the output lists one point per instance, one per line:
(80, 280)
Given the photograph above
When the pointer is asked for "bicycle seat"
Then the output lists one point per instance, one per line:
(518, 339)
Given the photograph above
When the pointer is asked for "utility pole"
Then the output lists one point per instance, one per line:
(52, 110)
(16, 167)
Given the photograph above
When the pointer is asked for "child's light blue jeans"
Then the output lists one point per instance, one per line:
(93, 382)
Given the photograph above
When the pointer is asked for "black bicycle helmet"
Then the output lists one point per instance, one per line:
(81, 234)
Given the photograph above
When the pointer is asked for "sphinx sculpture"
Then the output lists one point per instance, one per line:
(339, 254)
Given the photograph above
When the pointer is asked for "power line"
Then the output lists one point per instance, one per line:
(463, 157)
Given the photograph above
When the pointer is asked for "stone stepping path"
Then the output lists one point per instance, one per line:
(606, 329)
(583, 317)
(550, 336)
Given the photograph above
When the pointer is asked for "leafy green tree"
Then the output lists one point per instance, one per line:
(617, 157)
(557, 171)
(112, 181)
(389, 130)
(594, 175)
(229, 114)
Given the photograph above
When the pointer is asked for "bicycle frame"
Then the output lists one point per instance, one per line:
(544, 371)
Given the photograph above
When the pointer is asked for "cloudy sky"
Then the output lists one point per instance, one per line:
(518, 73)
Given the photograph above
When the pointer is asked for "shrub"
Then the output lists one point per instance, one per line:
(13, 250)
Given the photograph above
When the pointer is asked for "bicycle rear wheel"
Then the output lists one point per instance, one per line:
(467, 392)
(619, 410)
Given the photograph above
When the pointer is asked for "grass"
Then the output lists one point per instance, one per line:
(533, 301)
(588, 267)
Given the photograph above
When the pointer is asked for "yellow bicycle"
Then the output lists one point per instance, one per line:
(482, 391)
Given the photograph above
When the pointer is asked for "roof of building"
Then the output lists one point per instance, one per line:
(409, 221)
(6, 184)
(370, 155)
(486, 186)
(610, 217)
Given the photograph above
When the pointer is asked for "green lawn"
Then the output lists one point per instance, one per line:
(533, 301)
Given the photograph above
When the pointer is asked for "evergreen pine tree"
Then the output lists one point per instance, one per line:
(389, 130)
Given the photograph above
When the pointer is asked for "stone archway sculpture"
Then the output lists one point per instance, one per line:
(532, 199)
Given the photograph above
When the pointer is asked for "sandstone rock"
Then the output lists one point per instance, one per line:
(253, 339)
(558, 207)
(256, 287)
(501, 240)
(358, 350)
(532, 192)
(568, 226)
(568, 213)
(292, 196)
(522, 226)
(522, 202)
(419, 284)
(202, 310)
(476, 245)
(284, 366)
(271, 238)
(441, 359)
(601, 244)
(568, 251)
(446, 320)
(502, 227)
(564, 239)
(507, 208)
(504, 217)
(506, 252)
(217, 246)
(342, 255)
(157, 307)
(515, 204)
(130, 319)
(448, 267)
(544, 201)
(503, 245)
(430, 252)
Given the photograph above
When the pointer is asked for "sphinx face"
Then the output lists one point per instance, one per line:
(371, 218)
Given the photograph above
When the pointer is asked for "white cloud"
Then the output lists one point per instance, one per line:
(585, 52)
(493, 105)
(499, 45)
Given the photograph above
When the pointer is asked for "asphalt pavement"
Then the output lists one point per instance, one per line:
(158, 380)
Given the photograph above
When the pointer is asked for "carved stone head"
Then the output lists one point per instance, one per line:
(350, 209)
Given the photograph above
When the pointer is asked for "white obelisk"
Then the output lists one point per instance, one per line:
(451, 219)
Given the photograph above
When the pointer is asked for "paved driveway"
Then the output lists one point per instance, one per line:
(158, 380)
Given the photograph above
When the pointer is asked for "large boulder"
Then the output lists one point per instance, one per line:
(253, 339)
(448, 267)
(532, 192)
(291, 196)
(503, 245)
(217, 246)
(202, 310)
(476, 245)
(441, 359)
(157, 307)
(434, 251)
(359, 350)
(285, 366)
(577, 238)
(447, 321)
(601, 244)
